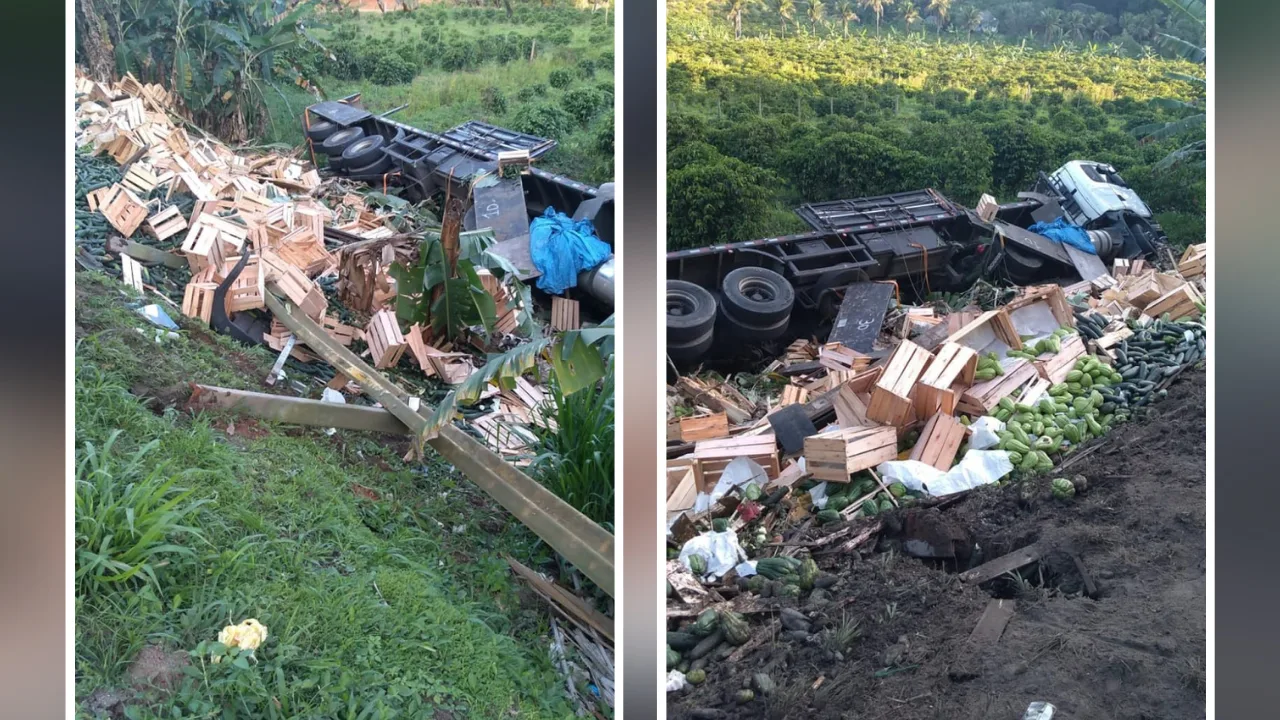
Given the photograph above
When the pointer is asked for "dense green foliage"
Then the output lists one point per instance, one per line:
(761, 124)
(383, 586)
(542, 70)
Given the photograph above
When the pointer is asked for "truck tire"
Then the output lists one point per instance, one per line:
(364, 151)
(691, 312)
(692, 350)
(321, 130)
(377, 167)
(757, 297)
(336, 143)
(749, 332)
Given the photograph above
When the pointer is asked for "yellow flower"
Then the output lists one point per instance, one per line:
(248, 635)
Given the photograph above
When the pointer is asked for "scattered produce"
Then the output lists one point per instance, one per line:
(1063, 489)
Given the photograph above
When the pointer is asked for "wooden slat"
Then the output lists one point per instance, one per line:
(704, 427)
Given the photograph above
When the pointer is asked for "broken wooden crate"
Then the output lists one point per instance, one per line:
(1055, 366)
(949, 375)
(386, 342)
(836, 357)
(715, 455)
(836, 454)
(939, 441)
(197, 300)
(982, 398)
(891, 399)
(851, 402)
(704, 427)
(1040, 299)
(992, 331)
(1194, 262)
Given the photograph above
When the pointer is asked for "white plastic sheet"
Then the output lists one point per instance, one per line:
(721, 549)
(984, 433)
(676, 681)
(739, 472)
(977, 468)
(818, 493)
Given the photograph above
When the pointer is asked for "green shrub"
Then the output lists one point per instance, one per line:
(560, 79)
(583, 103)
(605, 61)
(542, 119)
(389, 68)
(1182, 228)
(558, 36)
(587, 68)
(493, 100)
(129, 518)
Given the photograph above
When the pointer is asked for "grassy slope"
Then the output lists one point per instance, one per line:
(402, 602)
(439, 100)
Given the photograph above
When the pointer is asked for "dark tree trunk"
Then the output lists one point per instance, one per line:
(95, 41)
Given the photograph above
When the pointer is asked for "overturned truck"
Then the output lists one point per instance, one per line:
(488, 166)
(749, 291)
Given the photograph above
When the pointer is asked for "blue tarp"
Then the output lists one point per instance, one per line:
(1062, 231)
(561, 248)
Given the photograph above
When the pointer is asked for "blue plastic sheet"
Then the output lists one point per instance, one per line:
(1061, 231)
(561, 247)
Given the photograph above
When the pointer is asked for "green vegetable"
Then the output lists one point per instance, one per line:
(752, 492)
(673, 658)
(870, 508)
(720, 524)
(808, 573)
(698, 564)
(897, 489)
(1063, 489)
(886, 505)
(736, 630)
(828, 516)
(696, 677)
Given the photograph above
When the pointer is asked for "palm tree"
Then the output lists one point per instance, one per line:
(1051, 19)
(845, 10)
(940, 8)
(877, 7)
(1075, 23)
(910, 16)
(815, 12)
(970, 19)
(735, 8)
(1098, 24)
(786, 10)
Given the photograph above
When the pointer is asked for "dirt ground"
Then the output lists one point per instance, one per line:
(1136, 649)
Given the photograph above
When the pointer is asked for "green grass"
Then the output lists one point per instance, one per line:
(395, 607)
(438, 99)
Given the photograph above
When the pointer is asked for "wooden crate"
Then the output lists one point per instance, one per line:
(296, 286)
(982, 398)
(715, 455)
(682, 487)
(987, 207)
(166, 223)
(990, 328)
(891, 398)
(835, 455)
(690, 463)
(949, 375)
(1054, 367)
(799, 351)
(122, 209)
(212, 239)
(197, 300)
(386, 342)
(793, 394)
(1194, 262)
(1178, 303)
(939, 441)
(1051, 295)
(342, 334)
(704, 427)
(303, 250)
(836, 357)
(140, 179)
(851, 407)
(249, 291)
(564, 314)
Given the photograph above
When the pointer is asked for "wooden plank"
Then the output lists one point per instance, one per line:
(992, 623)
(939, 441)
(704, 427)
(564, 314)
(851, 411)
(1056, 366)
(131, 271)
(996, 322)
(297, 411)
(581, 541)
(563, 600)
(1003, 564)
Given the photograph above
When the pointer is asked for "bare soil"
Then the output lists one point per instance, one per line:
(1136, 649)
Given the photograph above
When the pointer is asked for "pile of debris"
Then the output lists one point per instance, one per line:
(852, 442)
(237, 229)
(328, 249)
